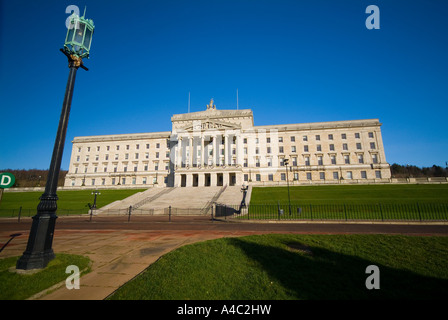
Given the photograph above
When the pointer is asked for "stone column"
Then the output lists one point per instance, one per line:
(239, 149)
(213, 179)
(201, 180)
(216, 148)
(226, 149)
(189, 181)
(202, 151)
(190, 156)
(225, 178)
(179, 152)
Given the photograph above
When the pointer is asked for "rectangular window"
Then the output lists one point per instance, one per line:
(307, 161)
(370, 134)
(268, 140)
(347, 159)
(330, 137)
(317, 137)
(136, 156)
(322, 175)
(331, 147)
(305, 148)
(333, 159)
(344, 146)
(363, 175)
(372, 145)
(296, 176)
(308, 176)
(258, 177)
(147, 146)
(280, 139)
(270, 177)
(305, 138)
(319, 147)
(283, 176)
(378, 174)
(358, 146)
(157, 145)
(360, 158)
(374, 158)
(93, 182)
(126, 156)
(336, 175)
(246, 177)
(144, 180)
(349, 175)
(293, 149)
(343, 136)
(320, 162)
(293, 139)
(113, 181)
(103, 182)
(268, 150)
(127, 147)
(280, 149)
(357, 136)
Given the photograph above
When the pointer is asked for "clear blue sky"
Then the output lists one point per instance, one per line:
(291, 61)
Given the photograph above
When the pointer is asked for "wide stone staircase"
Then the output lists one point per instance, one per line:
(183, 201)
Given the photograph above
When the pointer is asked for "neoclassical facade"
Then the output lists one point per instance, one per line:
(223, 147)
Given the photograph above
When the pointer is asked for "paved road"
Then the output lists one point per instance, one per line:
(204, 223)
(119, 250)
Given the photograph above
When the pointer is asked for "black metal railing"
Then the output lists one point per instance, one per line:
(343, 212)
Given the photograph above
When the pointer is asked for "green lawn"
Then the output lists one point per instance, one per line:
(74, 202)
(356, 194)
(16, 286)
(297, 267)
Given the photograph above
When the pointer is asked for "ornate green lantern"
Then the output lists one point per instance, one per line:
(79, 36)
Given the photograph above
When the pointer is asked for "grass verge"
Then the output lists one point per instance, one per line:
(70, 202)
(353, 194)
(297, 267)
(16, 286)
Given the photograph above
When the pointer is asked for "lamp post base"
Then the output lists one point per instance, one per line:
(39, 249)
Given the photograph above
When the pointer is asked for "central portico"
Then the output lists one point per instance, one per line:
(207, 146)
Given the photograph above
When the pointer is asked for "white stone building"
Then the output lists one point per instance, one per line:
(223, 147)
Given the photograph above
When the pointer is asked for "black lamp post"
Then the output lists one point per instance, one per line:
(96, 193)
(285, 161)
(39, 248)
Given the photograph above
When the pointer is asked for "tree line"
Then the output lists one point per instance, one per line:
(33, 177)
(410, 171)
(37, 178)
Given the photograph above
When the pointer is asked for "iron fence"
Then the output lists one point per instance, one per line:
(280, 211)
(344, 212)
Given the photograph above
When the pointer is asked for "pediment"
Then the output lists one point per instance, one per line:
(210, 125)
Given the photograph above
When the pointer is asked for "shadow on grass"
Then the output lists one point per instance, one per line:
(316, 273)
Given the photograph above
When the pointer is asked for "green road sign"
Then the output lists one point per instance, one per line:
(6, 180)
